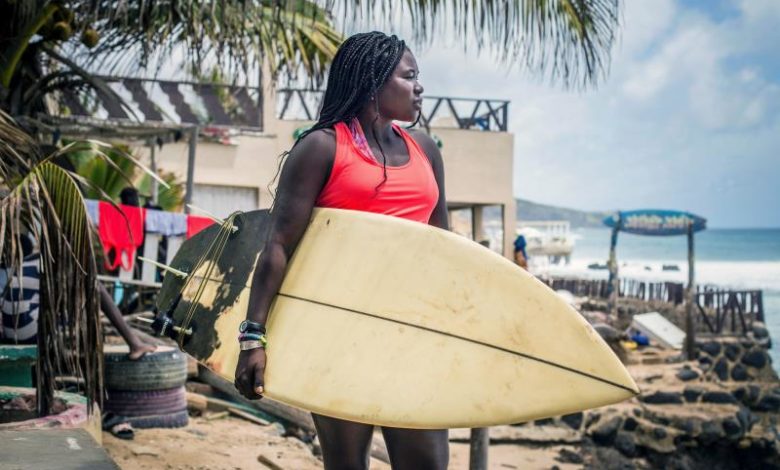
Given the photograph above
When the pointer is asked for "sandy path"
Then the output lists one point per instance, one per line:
(231, 444)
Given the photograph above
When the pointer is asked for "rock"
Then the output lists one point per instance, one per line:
(711, 431)
(573, 420)
(739, 393)
(732, 428)
(625, 444)
(739, 373)
(662, 398)
(568, 456)
(760, 330)
(718, 397)
(603, 432)
(711, 347)
(687, 426)
(704, 361)
(746, 419)
(607, 332)
(692, 394)
(755, 359)
(543, 422)
(593, 417)
(687, 374)
(277, 429)
(732, 351)
(721, 368)
(754, 392)
(769, 402)
(630, 424)
(659, 433)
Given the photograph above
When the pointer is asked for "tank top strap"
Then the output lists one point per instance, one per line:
(416, 152)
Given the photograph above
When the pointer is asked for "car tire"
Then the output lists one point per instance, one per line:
(147, 402)
(165, 368)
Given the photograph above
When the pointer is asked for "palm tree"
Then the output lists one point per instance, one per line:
(50, 46)
(43, 200)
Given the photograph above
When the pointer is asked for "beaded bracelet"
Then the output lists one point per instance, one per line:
(253, 337)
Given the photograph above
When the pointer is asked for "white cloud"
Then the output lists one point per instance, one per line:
(689, 118)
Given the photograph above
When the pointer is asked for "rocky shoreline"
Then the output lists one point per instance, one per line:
(718, 411)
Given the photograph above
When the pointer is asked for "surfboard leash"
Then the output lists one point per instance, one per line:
(214, 252)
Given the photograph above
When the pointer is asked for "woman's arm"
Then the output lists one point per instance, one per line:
(304, 175)
(439, 216)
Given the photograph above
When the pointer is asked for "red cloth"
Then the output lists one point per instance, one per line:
(410, 191)
(122, 231)
(197, 223)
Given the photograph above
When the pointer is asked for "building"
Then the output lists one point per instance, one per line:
(243, 131)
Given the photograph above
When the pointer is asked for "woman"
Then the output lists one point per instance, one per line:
(373, 81)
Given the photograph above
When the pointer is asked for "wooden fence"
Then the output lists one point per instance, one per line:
(719, 310)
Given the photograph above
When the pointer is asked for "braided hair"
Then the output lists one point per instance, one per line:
(363, 63)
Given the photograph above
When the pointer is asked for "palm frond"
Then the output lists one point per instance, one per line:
(235, 34)
(567, 41)
(45, 203)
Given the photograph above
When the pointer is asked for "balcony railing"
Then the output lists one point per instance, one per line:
(438, 111)
(171, 102)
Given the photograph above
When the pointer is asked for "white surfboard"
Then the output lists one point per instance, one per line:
(390, 322)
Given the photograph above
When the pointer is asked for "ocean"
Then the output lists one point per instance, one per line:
(732, 258)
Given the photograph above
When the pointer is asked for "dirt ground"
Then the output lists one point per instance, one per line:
(231, 444)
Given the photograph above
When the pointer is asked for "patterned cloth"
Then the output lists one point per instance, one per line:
(359, 139)
(20, 302)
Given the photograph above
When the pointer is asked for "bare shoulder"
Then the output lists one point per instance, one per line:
(320, 145)
(427, 144)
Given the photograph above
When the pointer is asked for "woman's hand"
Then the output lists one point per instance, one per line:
(249, 373)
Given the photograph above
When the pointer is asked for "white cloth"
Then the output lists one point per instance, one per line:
(166, 223)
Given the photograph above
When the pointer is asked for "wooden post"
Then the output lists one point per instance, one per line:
(153, 167)
(613, 287)
(480, 443)
(690, 348)
(191, 168)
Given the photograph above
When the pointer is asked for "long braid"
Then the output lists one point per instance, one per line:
(361, 66)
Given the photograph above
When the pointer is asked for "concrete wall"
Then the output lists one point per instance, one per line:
(478, 164)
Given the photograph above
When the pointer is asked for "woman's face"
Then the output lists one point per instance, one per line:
(400, 98)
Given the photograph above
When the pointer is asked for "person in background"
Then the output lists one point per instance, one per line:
(521, 257)
(20, 304)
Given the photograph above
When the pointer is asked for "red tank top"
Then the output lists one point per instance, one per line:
(410, 191)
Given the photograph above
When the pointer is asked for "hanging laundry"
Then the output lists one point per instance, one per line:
(166, 223)
(93, 211)
(114, 233)
(196, 223)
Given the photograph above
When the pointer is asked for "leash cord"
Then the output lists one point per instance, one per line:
(214, 253)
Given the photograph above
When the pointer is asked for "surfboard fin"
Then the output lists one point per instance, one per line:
(163, 326)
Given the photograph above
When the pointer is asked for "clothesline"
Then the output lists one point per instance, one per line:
(122, 230)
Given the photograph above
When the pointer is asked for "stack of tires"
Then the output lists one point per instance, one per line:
(148, 392)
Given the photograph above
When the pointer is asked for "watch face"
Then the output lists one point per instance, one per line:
(243, 326)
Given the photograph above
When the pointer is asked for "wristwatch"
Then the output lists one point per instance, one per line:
(248, 326)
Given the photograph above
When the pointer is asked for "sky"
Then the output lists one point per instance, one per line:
(688, 118)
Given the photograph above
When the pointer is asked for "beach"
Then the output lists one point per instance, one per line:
(728, 258)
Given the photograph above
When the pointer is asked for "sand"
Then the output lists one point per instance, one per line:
(231, 443)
